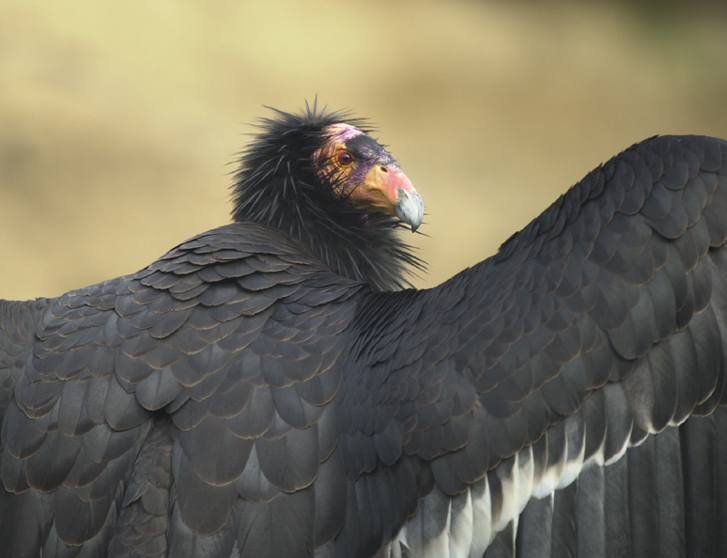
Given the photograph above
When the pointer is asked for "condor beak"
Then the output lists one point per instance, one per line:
(409, 208)
(387, 189)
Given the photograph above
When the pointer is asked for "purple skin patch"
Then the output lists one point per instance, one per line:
(363, 173)
(364, 148)
(344, 132)
(366, 152)
(339, 134)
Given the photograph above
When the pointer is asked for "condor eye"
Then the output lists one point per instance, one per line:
(344, 158)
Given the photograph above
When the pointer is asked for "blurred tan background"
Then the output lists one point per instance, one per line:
(118, 120)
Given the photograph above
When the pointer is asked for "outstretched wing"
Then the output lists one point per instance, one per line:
(178, 410)
(602, 322)
(236, 399)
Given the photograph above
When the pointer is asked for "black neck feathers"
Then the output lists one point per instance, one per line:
(278, 185)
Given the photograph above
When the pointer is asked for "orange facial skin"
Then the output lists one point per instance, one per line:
(361, 171)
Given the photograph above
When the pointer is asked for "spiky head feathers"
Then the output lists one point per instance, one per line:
(321, 179)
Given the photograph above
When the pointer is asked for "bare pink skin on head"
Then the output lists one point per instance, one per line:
(344, 132)
(339, 134)
(361, 171)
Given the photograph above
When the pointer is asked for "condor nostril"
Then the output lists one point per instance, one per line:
(384, 169)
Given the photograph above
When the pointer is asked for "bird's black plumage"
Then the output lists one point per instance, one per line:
(278, 185)
(264, 390)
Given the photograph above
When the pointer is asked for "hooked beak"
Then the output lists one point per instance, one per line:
(388, 189)
(409, 208)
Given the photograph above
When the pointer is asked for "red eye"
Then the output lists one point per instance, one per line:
(344, 158)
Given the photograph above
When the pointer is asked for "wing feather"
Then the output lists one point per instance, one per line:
(606, 314)
(237, 399)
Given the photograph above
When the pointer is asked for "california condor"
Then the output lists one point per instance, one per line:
(272, 387)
